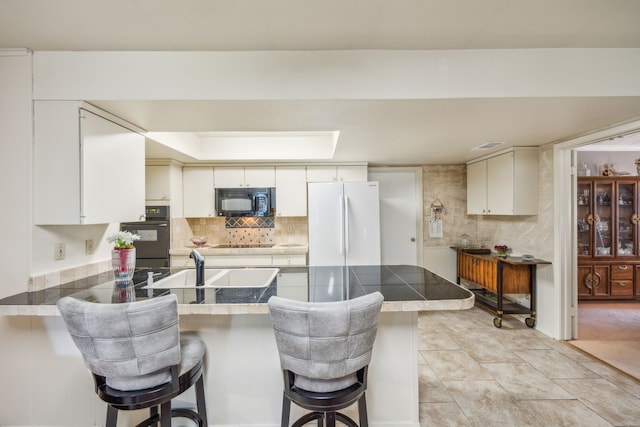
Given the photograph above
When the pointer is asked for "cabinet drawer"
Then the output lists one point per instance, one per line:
(238, 260)
(622, 272)
(297, 259)
(622, 287)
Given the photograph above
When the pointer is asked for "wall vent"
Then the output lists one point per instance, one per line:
(487, 146)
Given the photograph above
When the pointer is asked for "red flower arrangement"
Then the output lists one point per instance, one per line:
(501, 250)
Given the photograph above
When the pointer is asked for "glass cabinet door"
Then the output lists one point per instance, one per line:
(602, 218)
(626, 219)
(584, 217)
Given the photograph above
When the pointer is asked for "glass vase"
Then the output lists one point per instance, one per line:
(123, 292)
(124, 263)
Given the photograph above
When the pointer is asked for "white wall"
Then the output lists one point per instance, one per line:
(73, 237)
(442, 261)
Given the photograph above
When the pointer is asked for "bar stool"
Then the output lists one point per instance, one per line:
(325, 350)
(138, 357)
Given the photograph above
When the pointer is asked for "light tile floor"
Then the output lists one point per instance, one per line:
(473, 374)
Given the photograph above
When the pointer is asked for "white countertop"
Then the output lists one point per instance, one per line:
(278, 249)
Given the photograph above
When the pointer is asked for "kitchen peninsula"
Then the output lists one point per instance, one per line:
(244, 381)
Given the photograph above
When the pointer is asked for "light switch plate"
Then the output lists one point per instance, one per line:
(89, 246)
(59, 251)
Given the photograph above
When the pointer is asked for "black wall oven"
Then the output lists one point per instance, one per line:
(152, 250)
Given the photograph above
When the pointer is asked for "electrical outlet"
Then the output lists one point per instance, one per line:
(89, 246)
(59, 251)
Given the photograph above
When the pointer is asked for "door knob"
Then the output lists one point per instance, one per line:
(413, 239)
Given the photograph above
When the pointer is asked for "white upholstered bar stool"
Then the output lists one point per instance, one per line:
(138, 357)
(325, 350)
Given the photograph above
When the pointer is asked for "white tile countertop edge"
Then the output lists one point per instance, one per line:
(261, 308)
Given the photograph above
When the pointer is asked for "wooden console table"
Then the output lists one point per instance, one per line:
(497, 277)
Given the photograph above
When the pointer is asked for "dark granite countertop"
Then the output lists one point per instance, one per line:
(404, 287)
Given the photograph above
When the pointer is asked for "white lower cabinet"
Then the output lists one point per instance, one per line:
(242, 260)
(237, 260)
(289, 260)
(294, 286)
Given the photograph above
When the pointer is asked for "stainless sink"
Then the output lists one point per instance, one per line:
(219, 278)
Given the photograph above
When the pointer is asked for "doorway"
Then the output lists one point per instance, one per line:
(400, 214)
(609, 329)
(565, 291)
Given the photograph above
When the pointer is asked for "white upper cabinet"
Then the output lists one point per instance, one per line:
(198, 192)
(477, 188)
(346, 173)
(228, 177)
(157, 184)
(260, 176)
(291, 191)
(88, 166)
(163, 187)
(239, 177)
(504, 184)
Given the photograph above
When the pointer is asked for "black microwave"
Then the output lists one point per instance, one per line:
(245, 201)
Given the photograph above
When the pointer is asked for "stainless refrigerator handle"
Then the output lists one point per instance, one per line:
(342, 227)
(346, 224)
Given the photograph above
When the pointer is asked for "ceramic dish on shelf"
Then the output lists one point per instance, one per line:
(199, 241)
(528, 257)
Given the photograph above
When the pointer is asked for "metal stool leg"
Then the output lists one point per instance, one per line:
(165, 414)
(112, 416)
(286, 410)
(362, 411)
(201, 402)
(330, 418)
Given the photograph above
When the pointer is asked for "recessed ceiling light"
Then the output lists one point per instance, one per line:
(487, 146)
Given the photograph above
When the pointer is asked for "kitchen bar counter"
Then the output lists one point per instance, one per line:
(243, 375)
(405, 288)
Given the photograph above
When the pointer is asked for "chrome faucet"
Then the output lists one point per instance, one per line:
(199, 260)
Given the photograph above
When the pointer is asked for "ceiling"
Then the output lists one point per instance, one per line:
(403, 131)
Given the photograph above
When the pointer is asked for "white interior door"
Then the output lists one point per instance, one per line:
(400, 215)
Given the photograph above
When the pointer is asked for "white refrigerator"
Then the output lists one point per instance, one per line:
(344, 223)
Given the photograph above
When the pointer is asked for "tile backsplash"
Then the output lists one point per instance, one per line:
(216, 230)
(55, 278)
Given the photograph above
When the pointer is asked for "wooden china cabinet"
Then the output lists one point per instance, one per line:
(607, 237)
